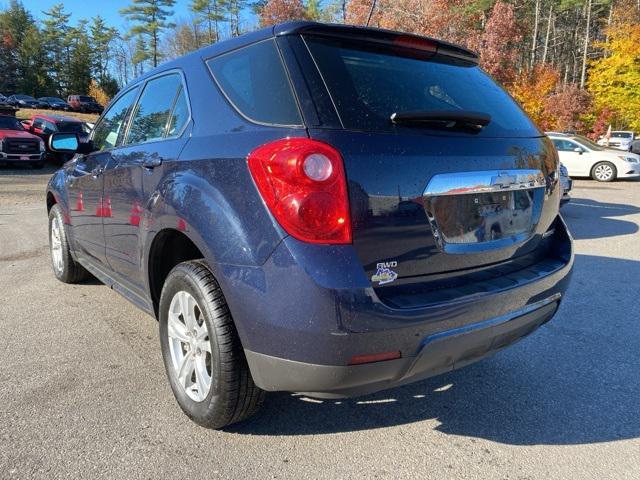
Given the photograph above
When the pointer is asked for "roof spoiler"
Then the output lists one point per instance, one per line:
(377, 35)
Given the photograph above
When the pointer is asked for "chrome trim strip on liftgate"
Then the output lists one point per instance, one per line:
(486, 181)
(483, 182)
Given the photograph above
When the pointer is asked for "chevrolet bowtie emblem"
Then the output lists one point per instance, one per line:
(504, 180)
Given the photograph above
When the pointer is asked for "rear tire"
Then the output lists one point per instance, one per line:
(65, 268)
(202, 354)
(604, 172)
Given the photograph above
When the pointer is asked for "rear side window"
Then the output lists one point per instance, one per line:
(369, 83)
(254, 80)
(151, 114)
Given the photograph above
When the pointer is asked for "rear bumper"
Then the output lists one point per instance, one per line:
(309, 309)
(437, 353)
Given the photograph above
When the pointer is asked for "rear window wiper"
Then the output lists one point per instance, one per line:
(446, 119)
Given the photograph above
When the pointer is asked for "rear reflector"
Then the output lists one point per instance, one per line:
(375, 357)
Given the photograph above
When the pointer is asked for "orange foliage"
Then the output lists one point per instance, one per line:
(276, 11)
(532, 87)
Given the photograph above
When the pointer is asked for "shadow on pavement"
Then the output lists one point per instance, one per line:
(574, 381)
(592, 219)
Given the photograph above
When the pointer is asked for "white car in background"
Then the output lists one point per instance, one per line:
(620, 140)
(583, 158)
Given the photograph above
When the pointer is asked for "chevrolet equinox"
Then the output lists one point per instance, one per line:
(322, 209)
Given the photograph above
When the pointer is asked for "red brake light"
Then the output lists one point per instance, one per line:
(302, 182)
(422, 47)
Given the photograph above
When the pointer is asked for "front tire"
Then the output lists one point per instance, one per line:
(202, 354)
(65, 268)
(604, 172)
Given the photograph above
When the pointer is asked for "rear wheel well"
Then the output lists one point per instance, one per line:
(51, 201)
(169, 248)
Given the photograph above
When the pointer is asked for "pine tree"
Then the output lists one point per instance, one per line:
(32, 77)
(79, 66)
(150, 17)
(101, 38)
(210, 13)
(55, 40)
(232, 9)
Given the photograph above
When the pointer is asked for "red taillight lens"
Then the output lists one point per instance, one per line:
(303, 183)
(416, 43)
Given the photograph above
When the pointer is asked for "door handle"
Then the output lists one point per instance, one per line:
(152, 161)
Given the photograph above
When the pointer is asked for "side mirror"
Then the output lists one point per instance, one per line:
(578, 150)
(64, 142)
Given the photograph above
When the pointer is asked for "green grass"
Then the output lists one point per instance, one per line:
(25, 113)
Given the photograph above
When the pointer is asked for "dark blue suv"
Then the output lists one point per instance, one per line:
(315, 208)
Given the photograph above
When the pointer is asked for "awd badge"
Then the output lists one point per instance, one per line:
(384, 274)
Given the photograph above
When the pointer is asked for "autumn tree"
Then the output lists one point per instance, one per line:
(614, 80)
(15, 21)
(532, 87)
(276, 11)
(500, 43)
(564, 110)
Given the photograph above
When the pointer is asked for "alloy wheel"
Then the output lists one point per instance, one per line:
(603, 172)
(189, 346)
(56, 245)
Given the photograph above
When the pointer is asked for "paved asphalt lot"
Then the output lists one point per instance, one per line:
(84, 393)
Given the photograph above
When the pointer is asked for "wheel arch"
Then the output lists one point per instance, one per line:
(168, 248)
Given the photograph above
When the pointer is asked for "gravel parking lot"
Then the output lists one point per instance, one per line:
(84, 393)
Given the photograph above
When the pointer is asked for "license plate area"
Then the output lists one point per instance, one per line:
(476, 211)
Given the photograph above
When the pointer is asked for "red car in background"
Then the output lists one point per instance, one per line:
(17, 146)
(44, 125)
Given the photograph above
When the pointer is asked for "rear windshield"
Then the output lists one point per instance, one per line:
(86, 99)
(368, 83)
(70, 127)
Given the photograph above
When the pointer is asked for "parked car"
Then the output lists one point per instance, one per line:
(244, 195)
(24, 101)
(567, 184)
(620, 140)
(84, 103)
(55, 103)
(44, 125)
(17, 146)
(583, 158)
(635, 147)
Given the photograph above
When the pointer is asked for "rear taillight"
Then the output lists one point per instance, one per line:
(303, 183)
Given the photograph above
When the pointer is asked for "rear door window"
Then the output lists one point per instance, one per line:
(254, 80)
(370, 82)
(151, 114)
